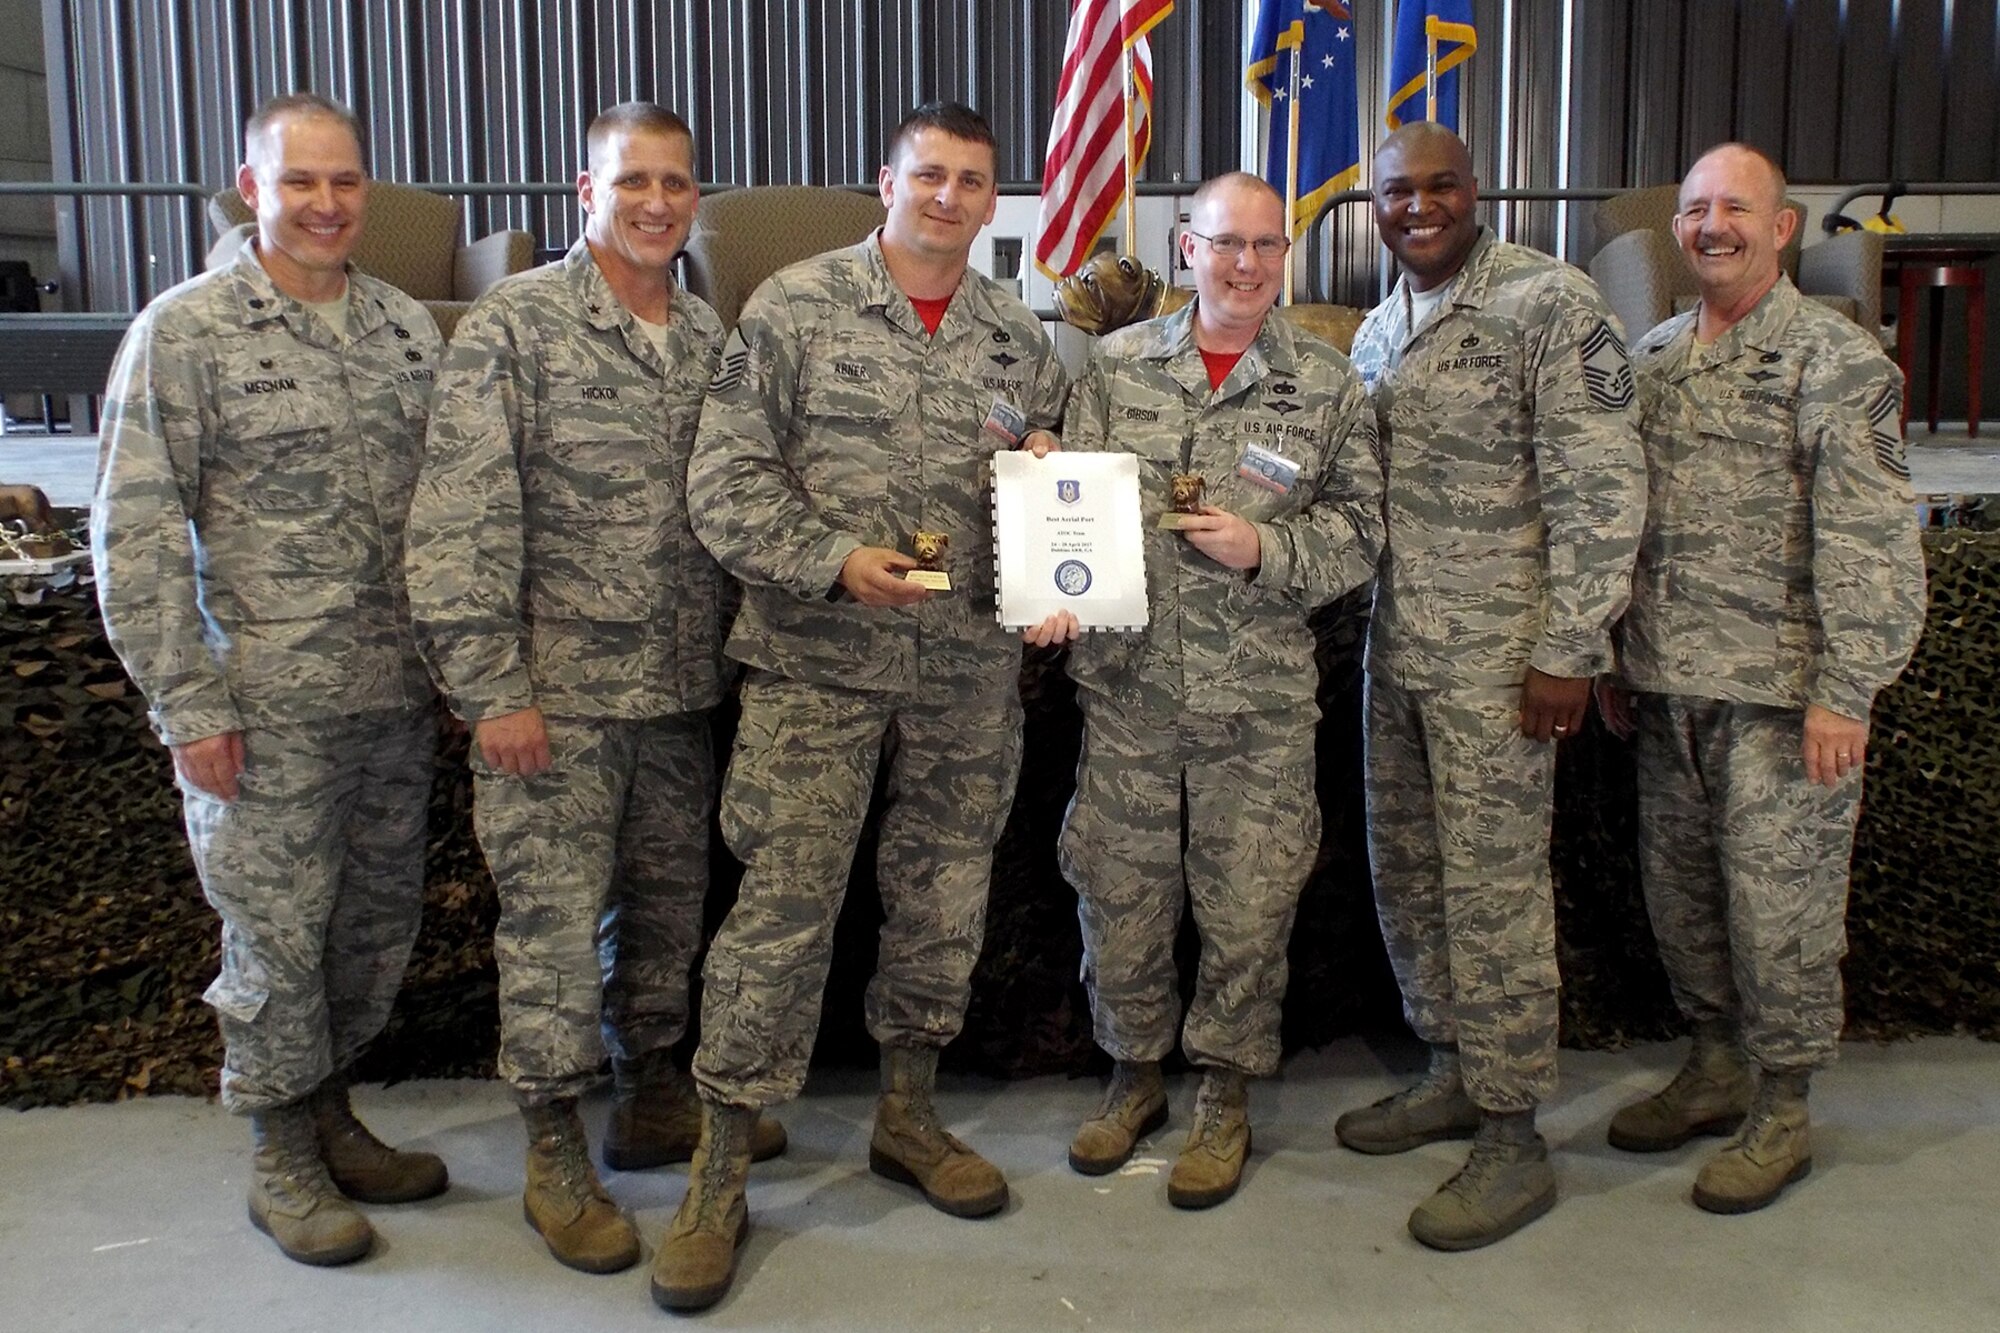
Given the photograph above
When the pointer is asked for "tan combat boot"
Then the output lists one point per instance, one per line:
(1770, 1151)
(1433, 1108)
(910, 1146)
(360, 1165)
(563, 1202)
(1135, 1104)
(1708, 1096)
(697, 1258)
(1210, 1167)
(656, 1119)
(291, 1199)
(1505, 1184)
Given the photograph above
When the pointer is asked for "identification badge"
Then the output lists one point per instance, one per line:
(1007, 421)
(1260, 467)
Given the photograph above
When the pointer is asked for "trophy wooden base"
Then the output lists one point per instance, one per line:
(934, 579)
(1174, 521)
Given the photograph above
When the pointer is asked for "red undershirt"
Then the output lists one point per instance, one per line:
(930, 312)
(1219, 365)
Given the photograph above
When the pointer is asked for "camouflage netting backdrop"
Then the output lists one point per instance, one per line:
(106, 944)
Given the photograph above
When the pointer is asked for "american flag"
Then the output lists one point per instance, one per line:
(1084, 177)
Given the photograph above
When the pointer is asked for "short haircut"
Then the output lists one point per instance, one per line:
(1778, 183)
(954, 118)
(1232, 180)
(633, 118)
(298, 104)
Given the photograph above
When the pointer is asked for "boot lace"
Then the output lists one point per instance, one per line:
(1439, 1081)
(300, 1170)
(1483, 1165)
(1764, 1112)
(711, 1187)
(1123, 1093)
(1211, 1108)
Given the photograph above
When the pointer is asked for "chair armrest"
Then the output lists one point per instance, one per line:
(1639, 274)
(487, 260)
(223, 252)
(1848, 265)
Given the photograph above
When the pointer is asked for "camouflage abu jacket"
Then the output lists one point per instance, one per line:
(551, 558)
(254, 477)
(1516, 482)
(1781, 562)
(1291, 414)
(836, 422)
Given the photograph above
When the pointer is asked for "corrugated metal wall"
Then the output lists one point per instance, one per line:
(1562, 93)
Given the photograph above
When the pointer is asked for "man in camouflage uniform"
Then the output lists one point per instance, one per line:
(1780, 585)
(1514, 504)
(261, 434)
(573, 619)
(1213, 703)
(846, 415)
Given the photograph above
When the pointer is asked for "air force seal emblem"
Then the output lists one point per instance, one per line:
(1069, 492)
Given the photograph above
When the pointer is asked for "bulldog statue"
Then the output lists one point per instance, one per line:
(1112, 291)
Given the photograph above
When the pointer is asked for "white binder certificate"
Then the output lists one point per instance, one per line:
(1067, 538)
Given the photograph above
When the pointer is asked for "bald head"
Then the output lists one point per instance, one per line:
(1426, 139)
(1746, 164)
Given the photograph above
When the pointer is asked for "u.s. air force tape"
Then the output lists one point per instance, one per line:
(1607, 375)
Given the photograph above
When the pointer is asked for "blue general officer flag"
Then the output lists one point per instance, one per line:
(1319, 34)
(1451, 21)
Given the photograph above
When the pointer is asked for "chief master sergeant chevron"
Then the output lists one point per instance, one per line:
(1780, 585)
(261, 435)
(846, 415)
(1515, 496)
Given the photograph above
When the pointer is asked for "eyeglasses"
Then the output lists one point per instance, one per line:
(1229, 245)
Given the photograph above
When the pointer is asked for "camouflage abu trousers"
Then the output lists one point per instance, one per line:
(1745, 871)
(1459, 806)
(792, 809)
(601, 861)
(317, 871)
(1252, 834)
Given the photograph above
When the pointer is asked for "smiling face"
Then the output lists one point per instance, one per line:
(1424, 197)
(940, 191)
(1236, 291)
(1733, 226)
(303, 175)
(639, 196)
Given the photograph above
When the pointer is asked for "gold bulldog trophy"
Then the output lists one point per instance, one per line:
(930, 549)
(1185, 493)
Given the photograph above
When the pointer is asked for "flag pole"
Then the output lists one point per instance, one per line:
(1131, 156)
(1430, 67)
(1291, 154)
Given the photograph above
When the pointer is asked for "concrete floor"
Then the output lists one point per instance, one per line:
(131, 1217)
